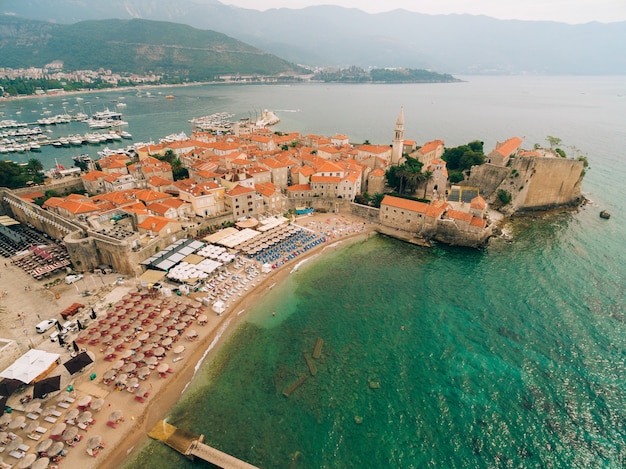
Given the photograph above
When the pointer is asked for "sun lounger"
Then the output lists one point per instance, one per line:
(32, 416)
(50, 419)
(41, 430)
(17, 454)
(55, 413)
(64, 405)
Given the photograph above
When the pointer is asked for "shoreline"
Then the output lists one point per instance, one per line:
(136, 437)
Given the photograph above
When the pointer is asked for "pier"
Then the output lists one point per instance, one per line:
(193, 446)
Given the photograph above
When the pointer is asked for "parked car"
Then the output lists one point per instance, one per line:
(43, 326)
(70, 326)
(56, 334)
(73, 278)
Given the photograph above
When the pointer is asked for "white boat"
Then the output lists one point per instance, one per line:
(125, 134)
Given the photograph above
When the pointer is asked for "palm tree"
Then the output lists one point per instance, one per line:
(428, 176)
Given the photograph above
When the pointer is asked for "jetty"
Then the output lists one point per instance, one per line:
(192, 446)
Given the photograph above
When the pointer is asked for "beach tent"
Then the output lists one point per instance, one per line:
(219, 307)
(77, 363)
(8, 386)
(46, 386)
(151, 276)
(34, 364)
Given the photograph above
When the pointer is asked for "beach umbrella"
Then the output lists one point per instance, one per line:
(159, 351)
(43, 445)
(109, 351)
(30, 427)
(17, 422)
(97, 404)
(129, 367)
(72, 414)
(151, 361)
(133, 382)
(135, 345)
(117, 365)
(84, 417)
(75, 346)
(27, 461)
(139, 356)
(46, 386)
(84, 401)
(5, 419)
(121, 379)
(179, 349)
(106, 339)
(56, 448)
(41, 463)
(108, 375)
(151, 328)
(141, 391)
(49, 409)
(172, 333)
(117, 342)
(154, 338)
(94, 442)
(14, 444)
(166, 342)
(192, 333)
(162, 330)
(143, 336)
(126, 354)
(9, 385)
(180, 326)
(163, 367)
(143, 372)
(69, 433)
(58, 428)
(32, 406)
(116, 415)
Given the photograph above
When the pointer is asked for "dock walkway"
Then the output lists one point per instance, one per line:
(193, 446)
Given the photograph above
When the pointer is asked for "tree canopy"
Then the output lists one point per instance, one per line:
(15, 176)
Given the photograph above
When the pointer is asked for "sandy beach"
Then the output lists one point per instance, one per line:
(164, 392)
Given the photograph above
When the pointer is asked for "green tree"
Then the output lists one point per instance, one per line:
(428, 176)
(377, 199)
(553, 141)
(34, 166)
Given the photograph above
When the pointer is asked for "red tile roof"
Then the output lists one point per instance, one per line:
(508, 147)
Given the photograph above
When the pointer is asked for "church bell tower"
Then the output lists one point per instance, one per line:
(398, 140)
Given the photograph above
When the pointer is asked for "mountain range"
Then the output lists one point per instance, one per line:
(337, 36)
(177, 52)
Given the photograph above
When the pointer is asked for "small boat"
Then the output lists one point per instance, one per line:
(169, 96)
(605, 214)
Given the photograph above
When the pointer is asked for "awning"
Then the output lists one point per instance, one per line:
(77, 363)
(33, 364)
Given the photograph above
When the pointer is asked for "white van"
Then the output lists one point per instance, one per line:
(43, 326)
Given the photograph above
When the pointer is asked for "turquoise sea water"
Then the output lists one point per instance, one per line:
(511, 356)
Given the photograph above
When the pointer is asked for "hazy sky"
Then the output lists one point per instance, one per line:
(566, 11)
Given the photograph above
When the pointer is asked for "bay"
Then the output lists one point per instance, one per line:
(510, 356)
